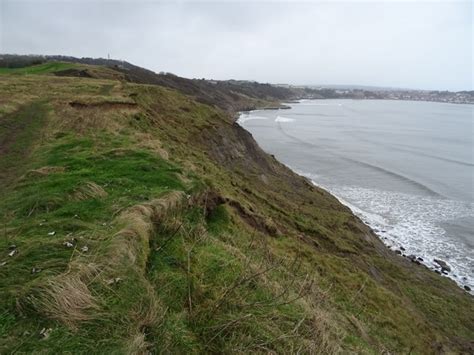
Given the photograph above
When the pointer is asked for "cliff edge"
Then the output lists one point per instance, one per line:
(138, 217)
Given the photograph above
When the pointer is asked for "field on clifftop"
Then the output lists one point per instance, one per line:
(137, 217)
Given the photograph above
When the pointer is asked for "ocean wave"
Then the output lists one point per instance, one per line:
(377, 168)
(414, 223)
(284, 119)
(248, 117)
(314, 114)
(396, 175)
(408, 149)
(316, 102)
(437, 157)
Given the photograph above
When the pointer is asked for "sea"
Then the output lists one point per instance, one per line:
(406, 168)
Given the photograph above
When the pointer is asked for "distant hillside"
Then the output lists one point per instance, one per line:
(230, 95)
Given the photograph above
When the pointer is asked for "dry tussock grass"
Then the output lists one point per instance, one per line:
(8, 106)
(149, 142)
(130, 247)
(318, 329)
(184, 179)
(326, 336)
(89, 190)
(128, 244)
(137, 344)
(146, 314)
(131, 244)
(103, 73)
(67, 297)
(45, 171)
(91, 119)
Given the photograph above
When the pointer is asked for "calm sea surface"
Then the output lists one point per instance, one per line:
(406, 168)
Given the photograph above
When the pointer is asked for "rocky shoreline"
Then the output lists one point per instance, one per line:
(439, 266)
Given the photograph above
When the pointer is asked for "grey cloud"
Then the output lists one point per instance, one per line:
(403, 44)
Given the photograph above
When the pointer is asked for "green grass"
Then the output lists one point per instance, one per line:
(43, 204)
(213, 295)
(253, 259)
(45, 68)
(191, 272)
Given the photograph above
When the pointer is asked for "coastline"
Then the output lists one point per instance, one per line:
(382, 99)
(421, 259)
(440, 267)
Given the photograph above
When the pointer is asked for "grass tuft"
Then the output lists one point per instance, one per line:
(89, 190)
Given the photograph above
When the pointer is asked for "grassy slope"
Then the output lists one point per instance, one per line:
(247, 257)
(44, 68)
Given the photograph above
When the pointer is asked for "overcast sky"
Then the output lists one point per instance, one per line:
(413, 44)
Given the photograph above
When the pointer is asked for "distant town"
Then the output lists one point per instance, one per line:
(460, 97)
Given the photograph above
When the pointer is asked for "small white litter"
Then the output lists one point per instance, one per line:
(52, 233)
(13, 252)
(85, 249)
(45, 332)
(114, 280)
(68, 244)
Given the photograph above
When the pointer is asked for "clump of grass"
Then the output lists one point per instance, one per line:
(89, 190)
(131, 244)
(45, 171)
(67, 297)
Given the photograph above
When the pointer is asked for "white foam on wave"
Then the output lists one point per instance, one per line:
(414, 223)
(284, 119)
(313, 103)
(247, 117)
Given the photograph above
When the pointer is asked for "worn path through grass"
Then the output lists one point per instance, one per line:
(19, 132)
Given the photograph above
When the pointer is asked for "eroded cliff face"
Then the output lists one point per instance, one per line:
(157, 224)
(368, 280)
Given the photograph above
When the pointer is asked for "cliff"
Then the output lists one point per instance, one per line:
(138, 217)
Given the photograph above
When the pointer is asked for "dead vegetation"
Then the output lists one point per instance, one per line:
(91, 119)
(67, 297)
(45, 171)
(148, 141)
(144, 315)
(105, 105)
(89, 190)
